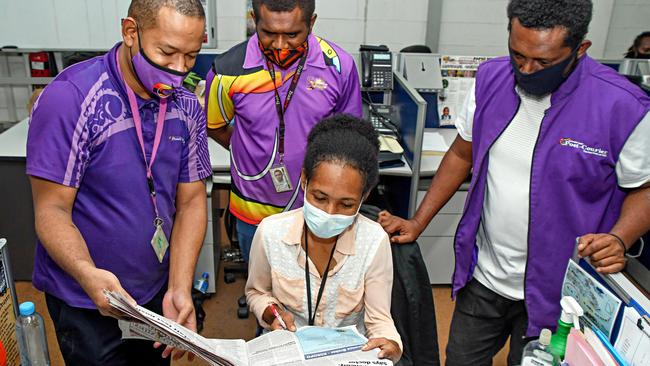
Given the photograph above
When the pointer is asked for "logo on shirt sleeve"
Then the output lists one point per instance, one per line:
(569, 142)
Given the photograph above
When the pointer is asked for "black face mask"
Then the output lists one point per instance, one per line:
(544, 81)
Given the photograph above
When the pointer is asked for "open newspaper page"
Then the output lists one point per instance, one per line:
(274, 348)
(307, 346)
(169, 332)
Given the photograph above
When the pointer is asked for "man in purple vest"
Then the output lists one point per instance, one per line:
(117, 154)
(559, 147)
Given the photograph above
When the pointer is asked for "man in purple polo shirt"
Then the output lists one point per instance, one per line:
(263, 98)
(559, 146)
(117, 154)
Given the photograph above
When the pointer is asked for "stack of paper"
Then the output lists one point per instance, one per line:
(307, 346)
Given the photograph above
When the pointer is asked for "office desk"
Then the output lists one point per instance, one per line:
(17, 215)
(16, 210)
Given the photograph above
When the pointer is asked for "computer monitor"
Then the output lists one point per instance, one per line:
(634, 67)
(410, 109)
(422, 71)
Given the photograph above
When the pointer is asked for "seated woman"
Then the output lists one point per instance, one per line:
(324, 264)
(640, 47)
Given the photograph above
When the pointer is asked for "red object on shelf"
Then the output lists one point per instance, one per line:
(40, 64)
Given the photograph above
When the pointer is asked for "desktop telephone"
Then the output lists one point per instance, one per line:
(380, 116)
(376, 67)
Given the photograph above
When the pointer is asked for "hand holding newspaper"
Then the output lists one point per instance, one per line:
(307, 346)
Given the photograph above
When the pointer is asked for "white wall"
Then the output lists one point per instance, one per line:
(83, 24)
(629, 18)
(348, 23)
(480, 27)
(231, 23)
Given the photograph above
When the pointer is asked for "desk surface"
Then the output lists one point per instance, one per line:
(12, 145)
(13, 141)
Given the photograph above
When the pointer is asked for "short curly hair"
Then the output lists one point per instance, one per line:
(145, 12)
(307, 7)
(345, 140)
(574, 15)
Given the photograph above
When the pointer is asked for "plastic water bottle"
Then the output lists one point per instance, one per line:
(202, 283)
(31, 331)
(538, 353)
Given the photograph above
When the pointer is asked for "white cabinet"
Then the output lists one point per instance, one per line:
(437, 240)
(207, 260)
(61, 24)
(73, 24)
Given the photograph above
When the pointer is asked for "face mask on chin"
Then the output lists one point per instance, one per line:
(284, 57)
(323, 224)
(157, 80)
(544, 81)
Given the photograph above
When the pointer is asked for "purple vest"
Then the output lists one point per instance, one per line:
(573, 185)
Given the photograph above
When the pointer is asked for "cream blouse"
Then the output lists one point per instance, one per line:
(357, 291)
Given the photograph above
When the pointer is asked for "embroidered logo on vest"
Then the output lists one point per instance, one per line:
(569, 142)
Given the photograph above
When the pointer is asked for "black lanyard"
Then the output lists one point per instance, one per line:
(311, 318)
(278, 102)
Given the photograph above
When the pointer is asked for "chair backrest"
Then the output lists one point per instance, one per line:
(416, 48)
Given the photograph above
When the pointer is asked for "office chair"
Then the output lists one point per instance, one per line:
(417, 48)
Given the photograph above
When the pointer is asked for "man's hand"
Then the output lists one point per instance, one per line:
(408, 230)
(605, 252)
(387, 348)
(178, 306)
(94, 281)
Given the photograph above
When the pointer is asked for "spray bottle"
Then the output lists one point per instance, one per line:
(571, 312)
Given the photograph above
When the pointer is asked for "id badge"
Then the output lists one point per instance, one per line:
(280, 178)
(159, 241)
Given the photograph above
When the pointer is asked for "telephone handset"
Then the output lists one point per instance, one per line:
(377, 68)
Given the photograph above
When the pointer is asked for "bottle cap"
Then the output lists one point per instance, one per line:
(545, 337)
(571, 311)
(26, 308)
(205, 275)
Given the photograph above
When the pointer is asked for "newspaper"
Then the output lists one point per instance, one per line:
(307, 346)
(458, 74)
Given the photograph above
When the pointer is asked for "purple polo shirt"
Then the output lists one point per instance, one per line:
(82, 135)
(240, 90)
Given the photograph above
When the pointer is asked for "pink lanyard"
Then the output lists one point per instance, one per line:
(137, 121)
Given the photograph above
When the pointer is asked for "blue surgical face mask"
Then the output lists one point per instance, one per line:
(325, 225)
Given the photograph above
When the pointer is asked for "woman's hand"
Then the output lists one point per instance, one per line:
(387, 348)
(286, 316)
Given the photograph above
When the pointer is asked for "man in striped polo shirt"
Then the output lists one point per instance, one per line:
(264, 96)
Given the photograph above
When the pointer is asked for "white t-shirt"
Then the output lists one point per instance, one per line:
(502, 235)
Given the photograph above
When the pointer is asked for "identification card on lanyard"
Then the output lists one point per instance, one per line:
(279, 173)
(159, 240)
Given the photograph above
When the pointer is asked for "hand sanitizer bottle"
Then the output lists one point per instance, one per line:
(537, 353)
(571, 311)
